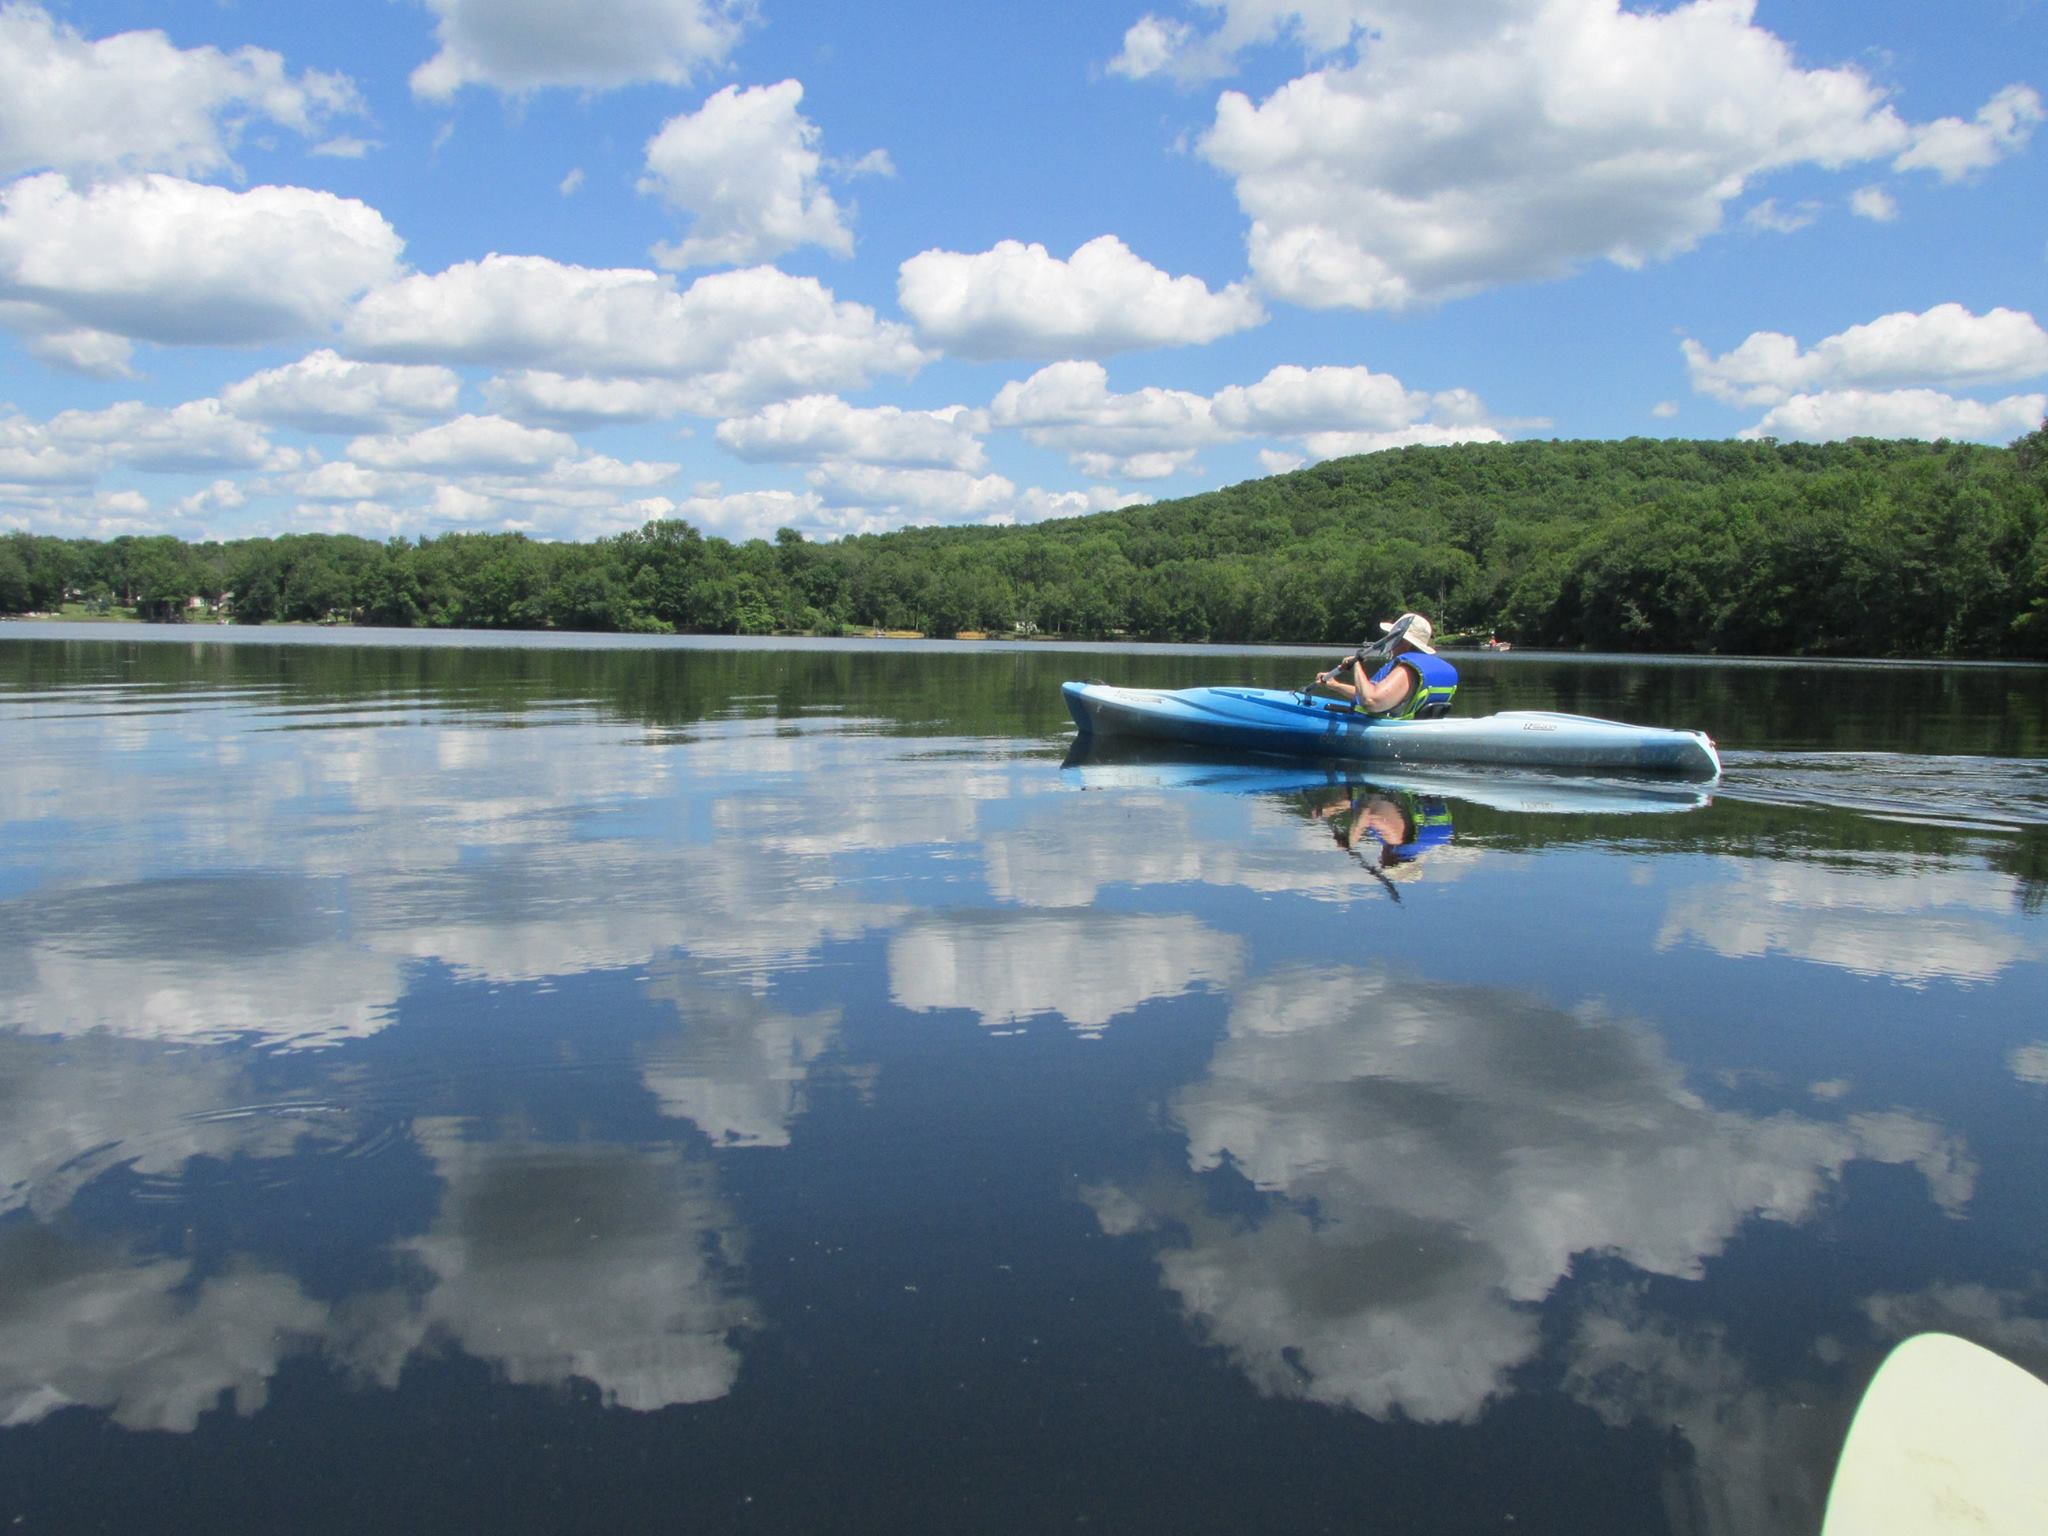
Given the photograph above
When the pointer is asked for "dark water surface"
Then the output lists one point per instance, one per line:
(739, 1087)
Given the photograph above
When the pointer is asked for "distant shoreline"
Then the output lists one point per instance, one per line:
(1864, 548)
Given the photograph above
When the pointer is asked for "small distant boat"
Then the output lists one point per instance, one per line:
(1288, 724)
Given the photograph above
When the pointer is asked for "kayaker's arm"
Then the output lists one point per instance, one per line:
(1390, 691)
(1333, 679)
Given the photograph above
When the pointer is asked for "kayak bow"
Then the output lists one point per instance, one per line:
(1272, 721)
(1946, 1442)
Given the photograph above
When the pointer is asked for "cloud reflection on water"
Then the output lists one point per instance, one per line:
(530, 955)
(735, 1068)
(177, 929)
(1085, 968)
(1064, 851)
(1915, 921)
(87, 1323)
(290, 910)
(1762, 1446)
(70, 1110)
(610, 1265)
(1436, 1157)
(566, 1262)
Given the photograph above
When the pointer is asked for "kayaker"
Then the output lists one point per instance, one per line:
(1414, 683)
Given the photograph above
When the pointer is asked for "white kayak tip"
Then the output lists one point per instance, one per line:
(1949, 1438)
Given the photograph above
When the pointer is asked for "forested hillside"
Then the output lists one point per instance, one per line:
(1865, 547)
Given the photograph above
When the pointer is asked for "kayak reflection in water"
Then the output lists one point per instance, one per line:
(1404, 826)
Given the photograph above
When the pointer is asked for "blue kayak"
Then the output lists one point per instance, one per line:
(1285, 724)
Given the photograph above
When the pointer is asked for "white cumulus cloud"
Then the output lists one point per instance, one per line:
(745, 169)
(1517, 140)
(1036, 505)
(1947, 346)
(49, 337)
(325, 392)
(488, 443)
(1927, 414)
(1767, 217)
(338, 480)
(195, 437)
(1018, 300)
(1150, 47)
(846, 497)
(155, 258)
(74, 448)
(364, 519)
(742, 515)
(1070, 407)
(738, 339)
(137, 102)
(1157, 45)
(1291, 400)
(541, 398)
(478, 472)
(1891, 377)
(1421, 434)
(523, 45)
(819, 427)
(890, 496)
(30, 456)
(1953, 148)
(1151, 432)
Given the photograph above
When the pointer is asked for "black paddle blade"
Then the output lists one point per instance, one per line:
(1385, 643)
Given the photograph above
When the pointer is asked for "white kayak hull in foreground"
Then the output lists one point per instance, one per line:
(1946, 1442)
(1291, 725)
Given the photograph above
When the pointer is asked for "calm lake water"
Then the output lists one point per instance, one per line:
(529, 1084)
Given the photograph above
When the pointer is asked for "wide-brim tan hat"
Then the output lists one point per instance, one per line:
(1420, 631)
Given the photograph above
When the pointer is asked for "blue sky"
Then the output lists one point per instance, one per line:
(404, 266)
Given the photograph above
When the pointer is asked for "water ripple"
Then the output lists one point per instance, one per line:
(1994, 794)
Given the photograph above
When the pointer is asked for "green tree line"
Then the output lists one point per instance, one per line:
(1864, 547)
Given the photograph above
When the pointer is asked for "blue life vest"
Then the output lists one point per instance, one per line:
(1435, 681)
(1432, 819)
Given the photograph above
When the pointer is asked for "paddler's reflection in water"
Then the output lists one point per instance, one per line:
(1401, 827)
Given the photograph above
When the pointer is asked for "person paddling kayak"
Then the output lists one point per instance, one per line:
(1415, 683)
